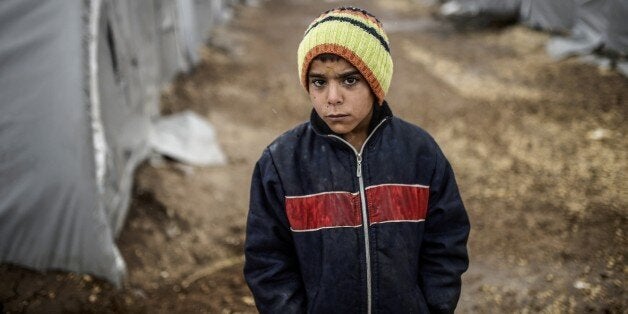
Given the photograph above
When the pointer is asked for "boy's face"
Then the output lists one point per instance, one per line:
(341, 97)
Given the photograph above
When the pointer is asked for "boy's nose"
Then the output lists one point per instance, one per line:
(334, 95)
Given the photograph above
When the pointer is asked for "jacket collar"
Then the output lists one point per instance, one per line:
(379, 114)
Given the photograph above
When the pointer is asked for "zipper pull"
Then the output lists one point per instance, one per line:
(359, 171)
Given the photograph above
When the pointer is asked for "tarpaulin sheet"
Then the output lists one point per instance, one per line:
(187, 137)
(616, 36)
(495, 8)
(554, 16)
(171, 43)
(80, 85)
(50, 214)
(599, 24)
(125, 109)
(582, 27)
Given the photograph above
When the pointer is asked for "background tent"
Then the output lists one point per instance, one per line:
(589, 26)
(80, 85)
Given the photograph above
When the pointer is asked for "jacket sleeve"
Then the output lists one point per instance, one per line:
(444, 250)
(271, 265)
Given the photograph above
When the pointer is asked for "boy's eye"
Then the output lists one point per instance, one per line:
(318, 83)
(351, 80)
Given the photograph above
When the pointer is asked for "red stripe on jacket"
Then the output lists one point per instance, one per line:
(389, 203)
(386, 203)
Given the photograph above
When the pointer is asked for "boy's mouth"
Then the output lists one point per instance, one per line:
(337, 117)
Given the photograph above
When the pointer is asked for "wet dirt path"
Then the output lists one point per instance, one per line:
(518, 128)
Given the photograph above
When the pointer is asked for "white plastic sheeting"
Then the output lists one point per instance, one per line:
(600, 31)
(187, 137)
(587, 33)
(80, 85)
(475, 8)
(49, 213)
(616, 35)
(554, 16)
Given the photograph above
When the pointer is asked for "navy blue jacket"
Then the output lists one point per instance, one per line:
(334, 230)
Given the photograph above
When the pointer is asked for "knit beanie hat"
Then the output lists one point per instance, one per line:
(355, 35)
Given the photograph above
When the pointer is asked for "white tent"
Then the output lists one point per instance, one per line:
(589, 26)
(80, 85)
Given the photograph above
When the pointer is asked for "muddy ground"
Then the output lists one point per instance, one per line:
(538, 146)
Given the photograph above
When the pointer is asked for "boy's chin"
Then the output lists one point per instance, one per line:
(340, 129)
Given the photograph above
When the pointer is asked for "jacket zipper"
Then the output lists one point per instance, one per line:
(365, 220)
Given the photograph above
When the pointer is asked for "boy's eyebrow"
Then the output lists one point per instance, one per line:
(341, 75)
(349, 73)
(316, 75)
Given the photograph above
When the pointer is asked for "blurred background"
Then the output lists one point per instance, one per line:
(129, 132)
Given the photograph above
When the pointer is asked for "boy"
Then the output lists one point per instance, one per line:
(355, 211)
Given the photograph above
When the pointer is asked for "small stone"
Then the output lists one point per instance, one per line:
(92, 298)
(598, 134)
(579, 284)
(87, 278)
(610, 263)
(139, 293)
(173, 231)
(248, 300)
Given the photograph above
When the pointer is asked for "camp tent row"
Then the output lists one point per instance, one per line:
(80, 84)
(588, 27)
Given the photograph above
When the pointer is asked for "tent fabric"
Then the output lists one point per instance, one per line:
(80, 83)
(49, 218)
(172, 51)
(587, 26)
(187, 137)
(586, 33)
(600, 24)
(187, 23)
(554, 16)
(505, 8)
(490, 9)
(616, 35)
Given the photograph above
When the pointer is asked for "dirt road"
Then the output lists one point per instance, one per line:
(538, 146)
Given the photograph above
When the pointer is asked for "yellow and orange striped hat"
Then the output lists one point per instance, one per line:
(355, 35)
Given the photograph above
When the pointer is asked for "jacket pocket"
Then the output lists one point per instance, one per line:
(412, 301)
